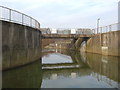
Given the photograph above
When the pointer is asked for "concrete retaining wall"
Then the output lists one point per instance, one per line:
(20, 45)
(106, 44)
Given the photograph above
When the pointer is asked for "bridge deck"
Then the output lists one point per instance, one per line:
(66, 36)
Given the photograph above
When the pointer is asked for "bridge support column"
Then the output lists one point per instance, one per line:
(79, 41)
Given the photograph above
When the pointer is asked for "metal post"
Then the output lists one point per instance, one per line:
(9, 14)
(110, 28)
(35, 24)
(93, 31)
(98, 25)
(22, 19)
(0, 13)
(30, 21)
(39, 25)
(101, 30)
(106, 29)
(101, 36)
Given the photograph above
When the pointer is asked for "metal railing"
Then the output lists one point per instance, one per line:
(14, 16)
(109, 28)
(84, 31)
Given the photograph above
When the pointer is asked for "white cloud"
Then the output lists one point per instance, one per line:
(67, 13)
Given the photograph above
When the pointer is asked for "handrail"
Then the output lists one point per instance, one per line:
(108, 28)
(8, 14)
(103, 29)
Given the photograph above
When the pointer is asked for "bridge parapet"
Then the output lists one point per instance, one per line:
(65, 36)
(82, 31)
(59, 31)
(14, 16)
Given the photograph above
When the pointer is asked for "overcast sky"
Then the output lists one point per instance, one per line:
(67, 13)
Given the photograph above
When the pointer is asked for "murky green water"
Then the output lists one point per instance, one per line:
(66, 69)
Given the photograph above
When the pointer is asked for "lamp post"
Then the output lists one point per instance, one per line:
(98, 25)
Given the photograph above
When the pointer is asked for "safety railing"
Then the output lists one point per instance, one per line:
(14, 16)
(85, 31)
(109, 28)
(63, 31)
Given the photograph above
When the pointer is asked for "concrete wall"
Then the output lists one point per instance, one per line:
(93, 45)
(20, 45)
(106, 44)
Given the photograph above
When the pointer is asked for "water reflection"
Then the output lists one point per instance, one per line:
(106, 68)
(103, 71)
(66, 69)
(29, 76)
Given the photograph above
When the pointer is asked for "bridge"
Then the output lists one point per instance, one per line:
(66, 33)
(64, 36)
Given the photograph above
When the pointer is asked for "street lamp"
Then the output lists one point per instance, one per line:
(98, 25)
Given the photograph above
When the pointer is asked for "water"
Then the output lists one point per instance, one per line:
(66, 69)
